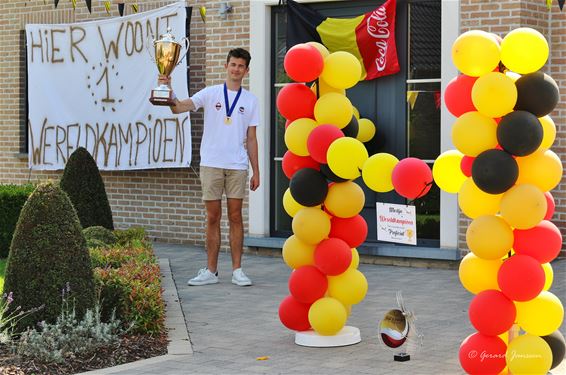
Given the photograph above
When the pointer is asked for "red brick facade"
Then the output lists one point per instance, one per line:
(167, 201)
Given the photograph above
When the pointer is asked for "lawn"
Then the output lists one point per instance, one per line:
(2, 271)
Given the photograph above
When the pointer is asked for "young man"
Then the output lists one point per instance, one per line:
(229, 142)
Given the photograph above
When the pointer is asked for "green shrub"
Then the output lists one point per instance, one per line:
(81, 180)
(101, 234)
(48, 253)
(128, 279)
(12, 199)
(133, 236)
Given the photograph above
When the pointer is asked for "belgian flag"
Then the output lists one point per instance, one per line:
(370, 37)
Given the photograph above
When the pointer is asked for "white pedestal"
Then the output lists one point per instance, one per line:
(347, 336)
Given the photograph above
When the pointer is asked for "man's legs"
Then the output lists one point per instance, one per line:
(213, 214)
(236, 231)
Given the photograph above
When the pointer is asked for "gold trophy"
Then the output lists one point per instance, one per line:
(167, 52)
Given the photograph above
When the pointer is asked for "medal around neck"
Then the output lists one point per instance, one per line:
(230, 108)
(228, 120)
(166, 57)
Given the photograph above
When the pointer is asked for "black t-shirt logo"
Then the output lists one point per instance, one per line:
(218, 106)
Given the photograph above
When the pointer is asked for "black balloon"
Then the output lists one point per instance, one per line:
(557, 345)
(519, 133)
(537, 93)
(308, 187)
(495, 171)
(327, 172)
(352, 129)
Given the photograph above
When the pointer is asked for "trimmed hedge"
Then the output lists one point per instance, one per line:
(48, 254)
(12, 199)
(83, 184)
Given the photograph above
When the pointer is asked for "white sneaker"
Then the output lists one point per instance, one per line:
(204, 277)
(239, 278)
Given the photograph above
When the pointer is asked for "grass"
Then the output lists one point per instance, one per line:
(2, 272)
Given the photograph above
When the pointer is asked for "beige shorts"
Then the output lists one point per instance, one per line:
(215, 181)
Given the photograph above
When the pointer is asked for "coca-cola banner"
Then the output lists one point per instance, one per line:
(370, 37)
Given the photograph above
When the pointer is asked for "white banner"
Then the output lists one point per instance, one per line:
(396, 223)
(89, 85)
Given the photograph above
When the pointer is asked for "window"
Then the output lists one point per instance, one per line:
(405, 107)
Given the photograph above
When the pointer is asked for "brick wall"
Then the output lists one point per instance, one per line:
(500, 18)
(165, 201)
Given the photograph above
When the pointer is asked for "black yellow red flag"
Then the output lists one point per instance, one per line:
(370, 37)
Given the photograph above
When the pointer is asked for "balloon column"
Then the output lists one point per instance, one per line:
(323, 141)
(503, 171)
(324, 136)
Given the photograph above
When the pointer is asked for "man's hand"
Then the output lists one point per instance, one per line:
(254, 182)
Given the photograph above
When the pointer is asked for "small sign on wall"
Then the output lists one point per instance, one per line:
(396, 223)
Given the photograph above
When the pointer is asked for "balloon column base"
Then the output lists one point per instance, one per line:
(347, 336)
(401, 357)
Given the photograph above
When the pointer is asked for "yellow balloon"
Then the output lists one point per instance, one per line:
(366, 130)
(296, 135)
(355, 259)
(528, 354)
(549, 132)
(474, 133)
(494, 94)
(489, 237)
(524, 50)
(321, 48)
(346, 156)
(447, 172)
(475, 53)
(325, 88)
(341, 70)
(296, 253)
(349, 287)
(327, 316)
(548, 275)
(541, 168)
(356, 113)
(540, 316)
(377, 171)
(344, 199)
(311, 225)
(477, 274)
(474, 202)
(290, 205)
(523, 206)
(333, 108)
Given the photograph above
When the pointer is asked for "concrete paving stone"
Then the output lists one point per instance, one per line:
(230, 326)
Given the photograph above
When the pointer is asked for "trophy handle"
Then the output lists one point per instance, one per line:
(186, 43)
(147, 47)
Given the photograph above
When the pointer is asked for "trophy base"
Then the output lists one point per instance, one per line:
(162, 101)
(162, 96)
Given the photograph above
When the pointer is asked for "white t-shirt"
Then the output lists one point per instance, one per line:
(224, 145)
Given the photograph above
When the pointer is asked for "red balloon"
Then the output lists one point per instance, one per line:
(482, 354)
(352, 230)
(307, 284)
(543, 241)
(412, 178)
(296, 100)
(521, 278)
(332, 256)
(303, 63)
(458, 95)
(320, 139)
(550, 205)
(466, 165)
(492, 313)
(292, 163)
(294, 314)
